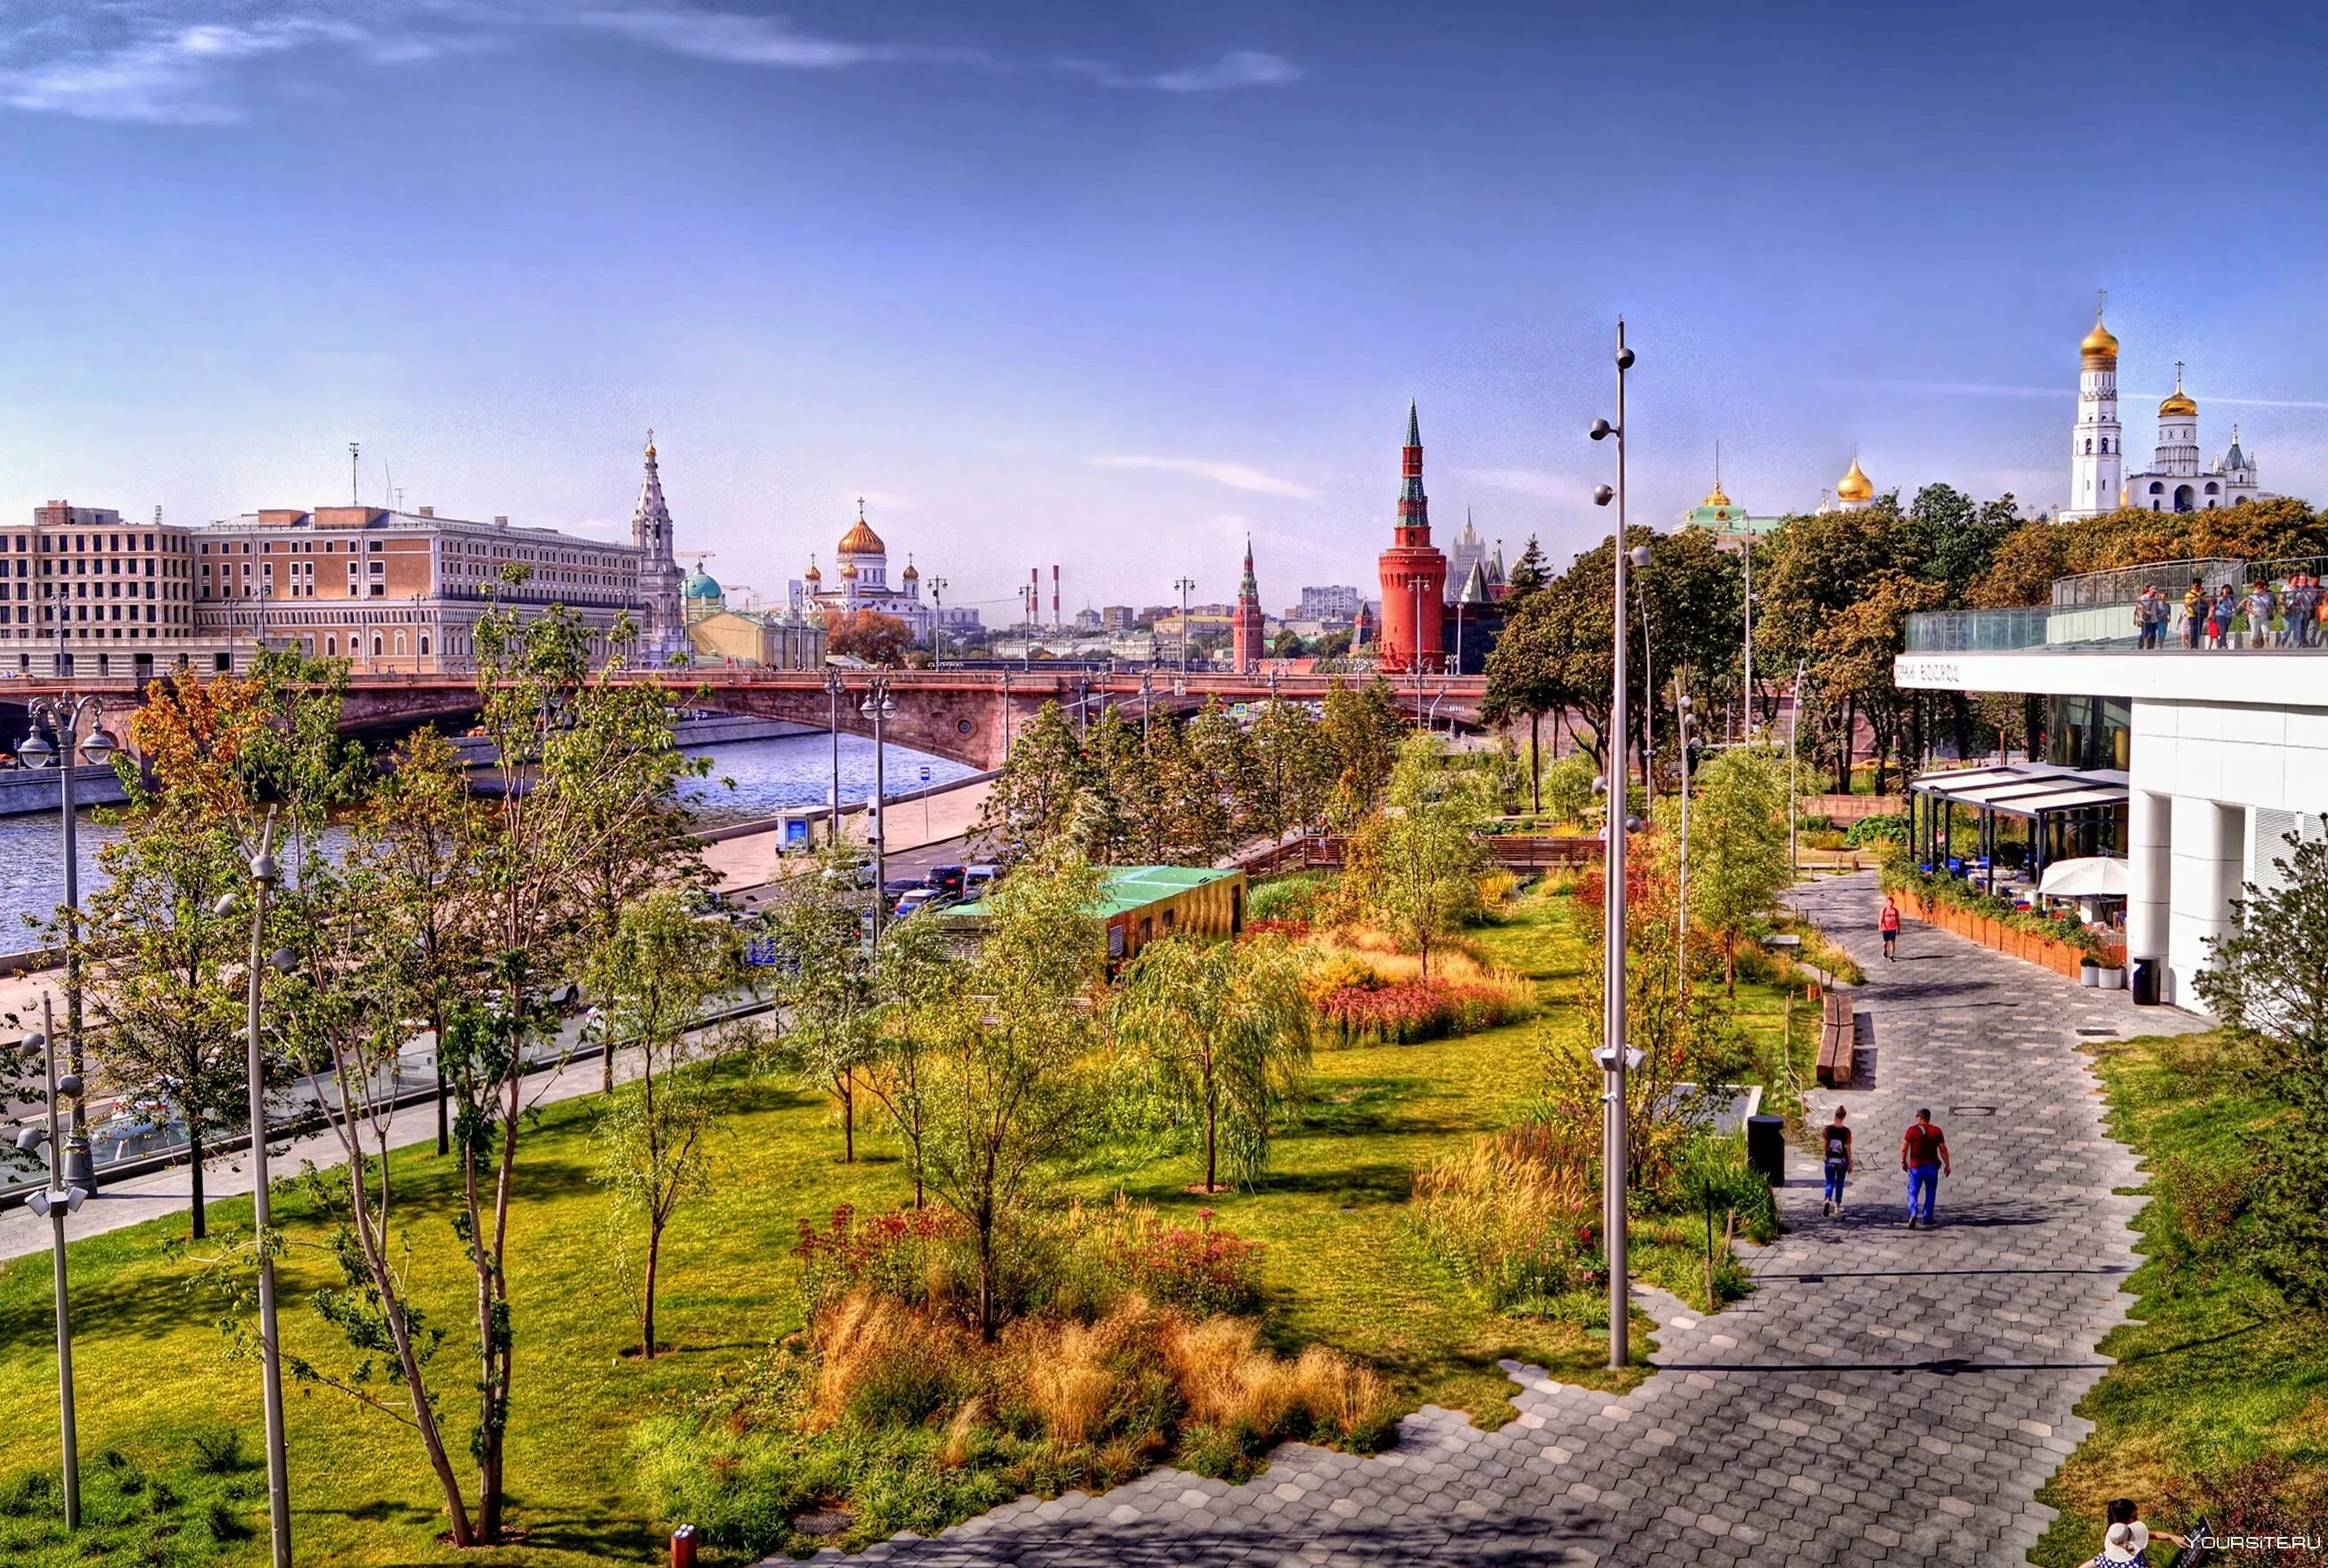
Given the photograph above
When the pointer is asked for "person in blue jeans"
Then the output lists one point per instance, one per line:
(1924, 1156)
(1837, 1142)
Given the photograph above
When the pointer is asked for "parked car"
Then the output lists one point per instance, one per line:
(860, 875)
(976, 880)
(916, 899)
(948, 878)
(896, 888)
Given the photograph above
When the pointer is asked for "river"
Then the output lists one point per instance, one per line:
(748, 780)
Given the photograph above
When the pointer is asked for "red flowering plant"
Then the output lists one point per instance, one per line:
(1418, 1009)
(908, 1255)
(1208, 1272)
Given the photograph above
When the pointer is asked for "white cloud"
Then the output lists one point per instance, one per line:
(1239, 68)
(1236, 475)
(172, 61)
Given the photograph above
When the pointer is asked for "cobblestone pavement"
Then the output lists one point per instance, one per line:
(1884, 1394)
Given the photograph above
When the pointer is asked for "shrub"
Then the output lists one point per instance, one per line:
(1891, 827)
(1294, 898)
(915, 1256)
(1421, 1009)
(880, 1363)
(1515, 1217)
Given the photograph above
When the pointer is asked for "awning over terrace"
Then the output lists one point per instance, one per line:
(2071, 810)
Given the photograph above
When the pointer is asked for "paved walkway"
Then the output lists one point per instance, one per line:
(1884, 1396)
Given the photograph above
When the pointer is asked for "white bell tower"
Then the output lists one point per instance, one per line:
(2097, 444)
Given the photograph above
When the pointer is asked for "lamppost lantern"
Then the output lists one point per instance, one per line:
(1640, 556)
(1602, 495)
(35, 751)
(1601, 431)
(1601, 785)
(98, 746)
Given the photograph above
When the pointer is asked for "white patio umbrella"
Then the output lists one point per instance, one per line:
(2087, 876)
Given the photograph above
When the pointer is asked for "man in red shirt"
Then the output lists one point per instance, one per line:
(1888, 923)
(1924, 1156)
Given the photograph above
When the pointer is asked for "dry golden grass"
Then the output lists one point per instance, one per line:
(1228, 1380)
(954, 1452)
(863, 1336)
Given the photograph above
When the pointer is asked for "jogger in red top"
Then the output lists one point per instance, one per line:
(1888, 923)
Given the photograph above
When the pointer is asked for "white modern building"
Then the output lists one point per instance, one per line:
(2219, 756)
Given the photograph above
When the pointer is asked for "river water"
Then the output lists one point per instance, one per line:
(748, 780)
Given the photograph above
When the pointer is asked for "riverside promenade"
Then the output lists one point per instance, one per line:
(1884, 1394)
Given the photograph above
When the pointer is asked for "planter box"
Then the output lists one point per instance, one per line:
(2047, 953)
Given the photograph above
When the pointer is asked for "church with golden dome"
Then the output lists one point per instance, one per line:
(861, 581)
(1852, 492)
(2173, 482)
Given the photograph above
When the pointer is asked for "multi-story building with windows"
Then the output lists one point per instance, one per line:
(84, 592)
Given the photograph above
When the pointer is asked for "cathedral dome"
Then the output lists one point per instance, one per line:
(700, 585)
(848, 568)
(2099, 344)
(912, 573)
(860, 539)
(1714, 497)
(1854, 485)
(813, 575)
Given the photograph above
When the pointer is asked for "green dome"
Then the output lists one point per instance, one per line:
(700, 585)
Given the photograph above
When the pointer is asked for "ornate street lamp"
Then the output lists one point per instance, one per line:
(61, 1197)
(63, 717)
(834, 688)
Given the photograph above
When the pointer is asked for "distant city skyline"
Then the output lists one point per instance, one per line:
(1116, 288)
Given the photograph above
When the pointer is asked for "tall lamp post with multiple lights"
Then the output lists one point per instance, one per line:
(1187, 586)
(1615, 1056)
(834, 690)
(64, 716)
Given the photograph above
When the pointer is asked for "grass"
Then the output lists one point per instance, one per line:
(1343, 1269)
(2215, 1374)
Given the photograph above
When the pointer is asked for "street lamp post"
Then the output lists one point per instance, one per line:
(877, 706)
(64, 715)
(1186, 586)
(1614, 1053)
(1747, 684)
(1795, 765)
(270, 1341)
(834, 688)
(937, 626)
(1415, 582)
(1146, 701)
(61, 1197)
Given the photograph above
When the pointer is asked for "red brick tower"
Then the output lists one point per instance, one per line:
(1244, 626)
(1414, 571)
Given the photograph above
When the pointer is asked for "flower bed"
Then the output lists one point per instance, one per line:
(1395, 1013)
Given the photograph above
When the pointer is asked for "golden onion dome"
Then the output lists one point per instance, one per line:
(849, 569)
(1714, 497)
(912, 573)
(860, 539)
(1854, 485)
(2179, 404)
(813, 575)
(2099, 344)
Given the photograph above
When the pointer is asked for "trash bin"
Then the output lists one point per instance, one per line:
(1766, 1148)
(2146, 979)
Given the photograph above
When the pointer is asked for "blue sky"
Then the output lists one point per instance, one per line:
(1112, 284)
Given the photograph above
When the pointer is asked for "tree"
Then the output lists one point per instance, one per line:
(168, 995)
(1567, 789)
(1285, 784)
(1035, 795)
(1215, 774)
(2021, 569)
(1006, 1076)
(1226, 1026)
(1416, 865)
(653, 978)
(1529, 574)
(868, 635)
(618, 765)
(1738, 863)
(2266, 979)
(1856, 647)
(825, 986)
(919, 990)
(1359, 733)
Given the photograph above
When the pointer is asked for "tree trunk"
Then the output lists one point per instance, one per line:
(1960, 723)
(646, 1317)
(848, 1116)
(444, 1111)
(1535, 764)
(1730, 961)
(1211, 1120)
(194, 1165)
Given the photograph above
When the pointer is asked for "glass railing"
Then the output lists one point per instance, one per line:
(2111, 626)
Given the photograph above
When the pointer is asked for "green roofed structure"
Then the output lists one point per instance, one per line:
(1138, 904)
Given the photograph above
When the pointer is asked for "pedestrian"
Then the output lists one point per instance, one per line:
(1837, 1141)
(2127, 1538)
(2303, 610)
(2194, 614)
(1888, 923)
(2145, 625)
(2220, 615)
(1924, 1156)
(2262, 603)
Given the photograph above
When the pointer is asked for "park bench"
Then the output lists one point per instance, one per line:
(1836, 1040)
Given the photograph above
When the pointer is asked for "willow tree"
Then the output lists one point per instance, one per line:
(1227, 1027)
(825, 974)
(1415, 866)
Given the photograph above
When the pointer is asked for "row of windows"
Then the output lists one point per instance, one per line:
(30, 543)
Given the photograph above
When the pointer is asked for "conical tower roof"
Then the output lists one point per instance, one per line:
(1475, 587)
(1248, 588)
(651, 526)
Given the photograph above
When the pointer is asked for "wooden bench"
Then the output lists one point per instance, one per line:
(1837, 1036)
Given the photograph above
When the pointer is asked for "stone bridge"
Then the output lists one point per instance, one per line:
(969, 716)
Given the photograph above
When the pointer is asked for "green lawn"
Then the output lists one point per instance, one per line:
(1341, 1268)
(2215, 1374)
